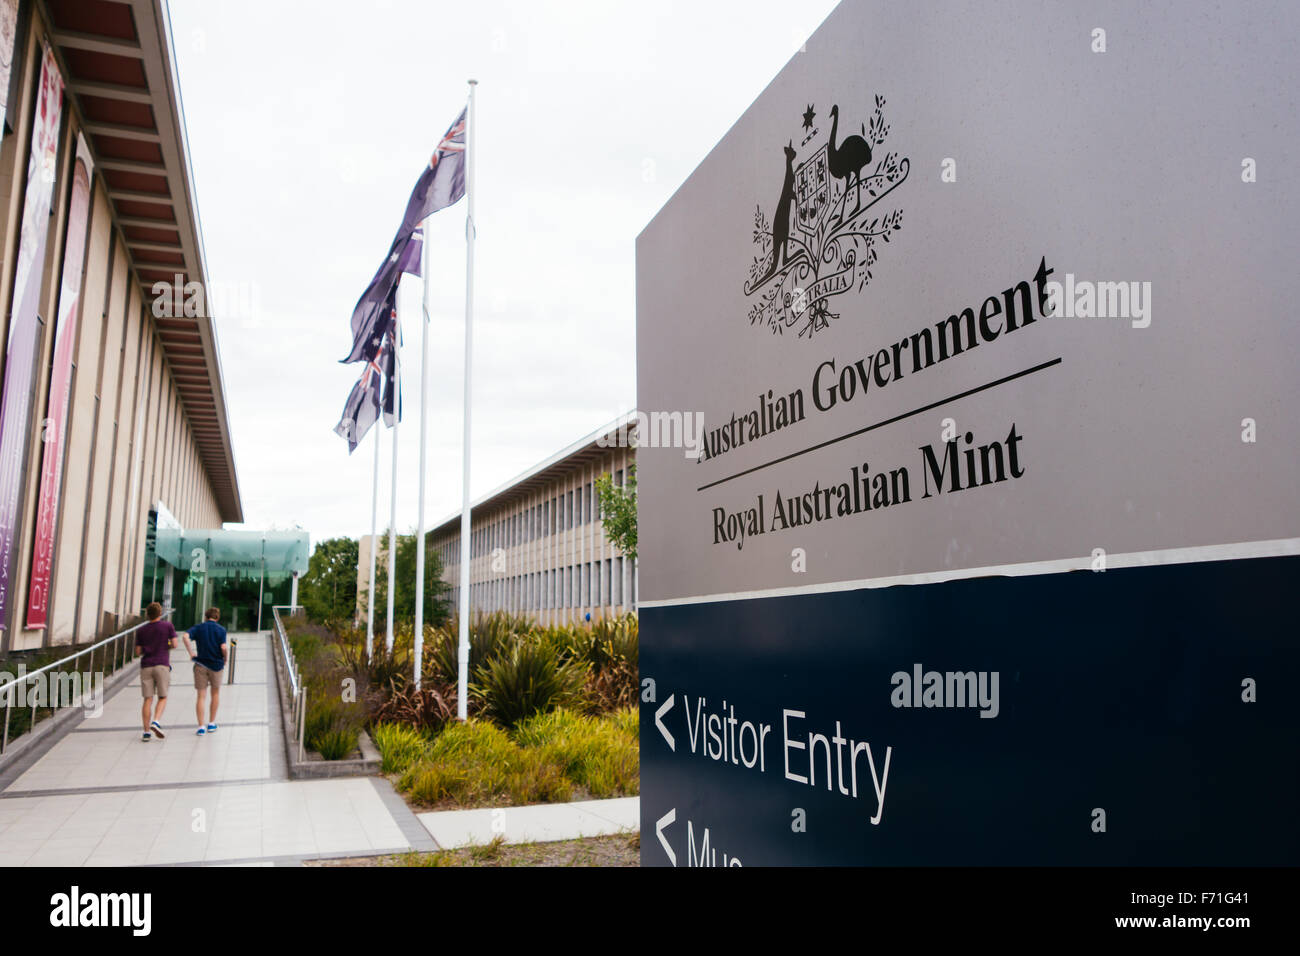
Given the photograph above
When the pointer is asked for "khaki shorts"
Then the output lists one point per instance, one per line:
(155, 681)
(204, 678)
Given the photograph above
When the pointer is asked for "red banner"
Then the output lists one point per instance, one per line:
(24, 324)
(56, 418)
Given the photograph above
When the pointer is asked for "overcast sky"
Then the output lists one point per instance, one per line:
(308, 125)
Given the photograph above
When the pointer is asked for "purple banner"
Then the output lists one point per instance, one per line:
(24, 326)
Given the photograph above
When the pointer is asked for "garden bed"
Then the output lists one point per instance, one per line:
(552, 711)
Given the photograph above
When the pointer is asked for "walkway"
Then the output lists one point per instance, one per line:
(102, 797)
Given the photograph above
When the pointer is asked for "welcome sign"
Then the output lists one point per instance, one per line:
(981, 558)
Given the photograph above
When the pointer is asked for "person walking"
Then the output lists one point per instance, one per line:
(154, 641)
(209, 656)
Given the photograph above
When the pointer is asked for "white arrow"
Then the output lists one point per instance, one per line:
(668, 705)
(665, 821)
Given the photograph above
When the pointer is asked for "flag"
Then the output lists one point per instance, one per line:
(440, 185)
(366, 401)
(392, 377)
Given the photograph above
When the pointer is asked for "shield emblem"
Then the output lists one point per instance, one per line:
(813, 191)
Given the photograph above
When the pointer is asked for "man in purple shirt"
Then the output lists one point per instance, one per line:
(154, 642)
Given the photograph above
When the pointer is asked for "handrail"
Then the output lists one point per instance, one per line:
(298, 695)
(285, 649)
(7, 690)
(85, 650)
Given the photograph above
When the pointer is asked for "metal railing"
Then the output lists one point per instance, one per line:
(9, 690)
(297, 690)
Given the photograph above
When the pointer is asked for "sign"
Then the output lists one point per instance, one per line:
(24, 324)
(983, 556)
(56, 419)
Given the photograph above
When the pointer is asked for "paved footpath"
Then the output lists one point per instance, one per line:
(100, 796)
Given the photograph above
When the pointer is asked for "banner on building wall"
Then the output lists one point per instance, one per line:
(56, 417)
(24, 325)
(8, 38)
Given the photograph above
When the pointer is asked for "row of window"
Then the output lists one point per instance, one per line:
(592, 584)
(559, 513)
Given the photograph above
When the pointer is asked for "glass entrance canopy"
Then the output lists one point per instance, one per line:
(243, 573)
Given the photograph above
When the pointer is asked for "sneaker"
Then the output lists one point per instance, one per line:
(157, 729)
(146, 736)
(212, 728)
(200, 732)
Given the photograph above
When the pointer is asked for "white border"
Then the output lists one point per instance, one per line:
(1216, 552)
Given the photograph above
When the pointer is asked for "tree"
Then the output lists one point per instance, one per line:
(329, 591)
(618, 511)
(435, 589)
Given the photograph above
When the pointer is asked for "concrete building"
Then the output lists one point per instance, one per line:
(115, 419)
(538, 543)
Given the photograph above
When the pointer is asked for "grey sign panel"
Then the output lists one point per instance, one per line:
(866, 254)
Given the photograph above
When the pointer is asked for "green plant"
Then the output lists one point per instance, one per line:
(475, 762)
(595, 753)
(399, 746)
(618, 511)
(628, 721)
(328, 591)
(337, 742)
(435, 588)
(525, 680)
(488, 851)
(488, 635)
(428, 708)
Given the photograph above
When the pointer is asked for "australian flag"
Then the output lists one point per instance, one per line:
(375, 388)
(440, 185)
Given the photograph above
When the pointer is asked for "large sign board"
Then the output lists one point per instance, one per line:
(975, 539)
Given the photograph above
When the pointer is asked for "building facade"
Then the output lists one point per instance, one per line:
(114, 416)
(240, 573)
(538, 545)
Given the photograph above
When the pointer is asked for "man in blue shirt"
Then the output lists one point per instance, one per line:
(209, 657)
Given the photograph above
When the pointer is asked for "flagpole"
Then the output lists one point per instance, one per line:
(462, 697)
(392, 524)
(419, 532)
(374, 554)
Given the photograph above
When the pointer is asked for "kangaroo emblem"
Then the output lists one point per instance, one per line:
(781, 218)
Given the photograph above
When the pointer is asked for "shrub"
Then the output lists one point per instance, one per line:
(628, 721)
(399, 746)
(475, 763)
(337, 742)
(525, 680)
(595, 753)
(614, 640)
(332, 727)
(428, 708)
(613, 688)
(489, 634)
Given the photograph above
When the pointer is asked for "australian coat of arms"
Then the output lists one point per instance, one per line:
(821, 239)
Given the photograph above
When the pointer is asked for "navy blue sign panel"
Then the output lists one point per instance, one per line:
(1137, 716)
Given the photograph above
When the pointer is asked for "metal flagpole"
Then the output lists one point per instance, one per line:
(462, 697)
(392, 526)
(419, 523)
(374, 555)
